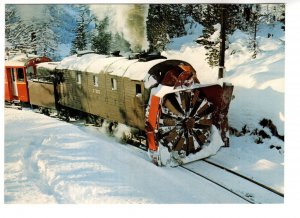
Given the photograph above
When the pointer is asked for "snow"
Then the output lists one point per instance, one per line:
(257, 104)
(117, 66)
(52, 161)
(139, 70)
(19, 59)
(56, 162)
(195, 55)
(79, 63)
(193, 29)
(48, 65)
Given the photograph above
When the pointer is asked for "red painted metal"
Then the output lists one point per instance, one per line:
(8, 86)
(152, 123)
(20, 86)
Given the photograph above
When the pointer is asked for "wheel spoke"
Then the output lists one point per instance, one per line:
(195, 97)
(163, 132)
(205, 122)
(172, 104)
(190, 143)
(179, 144)
(195, 108)
(203, 109)
(163, 115)
(169, 122)
(170, 136)
(200, 126)
(185, 101)
(199, 136)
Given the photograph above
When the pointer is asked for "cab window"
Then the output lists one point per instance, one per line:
(20, 74)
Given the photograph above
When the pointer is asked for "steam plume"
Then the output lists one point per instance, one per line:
(130, 20)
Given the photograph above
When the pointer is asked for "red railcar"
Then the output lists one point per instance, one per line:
(17, 69)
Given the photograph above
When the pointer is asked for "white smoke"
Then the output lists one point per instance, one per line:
(129, 20)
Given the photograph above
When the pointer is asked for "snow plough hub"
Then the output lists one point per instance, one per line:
(187, 122)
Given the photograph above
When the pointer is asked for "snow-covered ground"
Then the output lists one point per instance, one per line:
(50, 161)
(53, 161)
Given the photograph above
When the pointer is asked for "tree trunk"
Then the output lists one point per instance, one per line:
(254, 40)
(222, 44)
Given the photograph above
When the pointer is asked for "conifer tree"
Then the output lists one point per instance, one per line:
(253, 18)
(101, 41)
(157, 28)
(32, 34)
(165, 21)
(80, 41)
(227, 16)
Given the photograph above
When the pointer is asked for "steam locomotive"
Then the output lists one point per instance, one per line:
(181, 119)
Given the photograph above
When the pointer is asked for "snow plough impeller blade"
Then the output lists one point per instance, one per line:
(184, 123)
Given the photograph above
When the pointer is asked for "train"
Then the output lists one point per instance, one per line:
(17, 69)
(179, 117)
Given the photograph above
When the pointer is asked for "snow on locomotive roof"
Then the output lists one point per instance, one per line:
(139, 71)
(48, 65)
(118, 66)
(104, 64)
(79, 63)
(20, 59)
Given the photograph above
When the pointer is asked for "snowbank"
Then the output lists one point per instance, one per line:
(258, 83)
(51, 161)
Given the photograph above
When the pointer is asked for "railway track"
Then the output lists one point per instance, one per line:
(238, 184)
(249, 190)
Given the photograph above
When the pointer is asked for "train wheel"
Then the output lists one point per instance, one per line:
(184, 123)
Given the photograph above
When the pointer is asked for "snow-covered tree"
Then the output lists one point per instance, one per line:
(253, 18)
(101, 41)
(31, 33)
(11, 17)
(195, 11)
(82, 32)
(80, 41)
(227, 16)
(157, 28)
(256, 15)
(165, 21)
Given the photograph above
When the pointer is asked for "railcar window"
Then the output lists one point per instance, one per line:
(78, 78)
(20, 74)
(95, 81)
(30, 72)
(138, 89)
(113, 84)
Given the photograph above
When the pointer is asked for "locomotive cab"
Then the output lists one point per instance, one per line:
(17, 69)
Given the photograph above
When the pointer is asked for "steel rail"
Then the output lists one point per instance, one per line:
(245, 177)
(218, 184)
